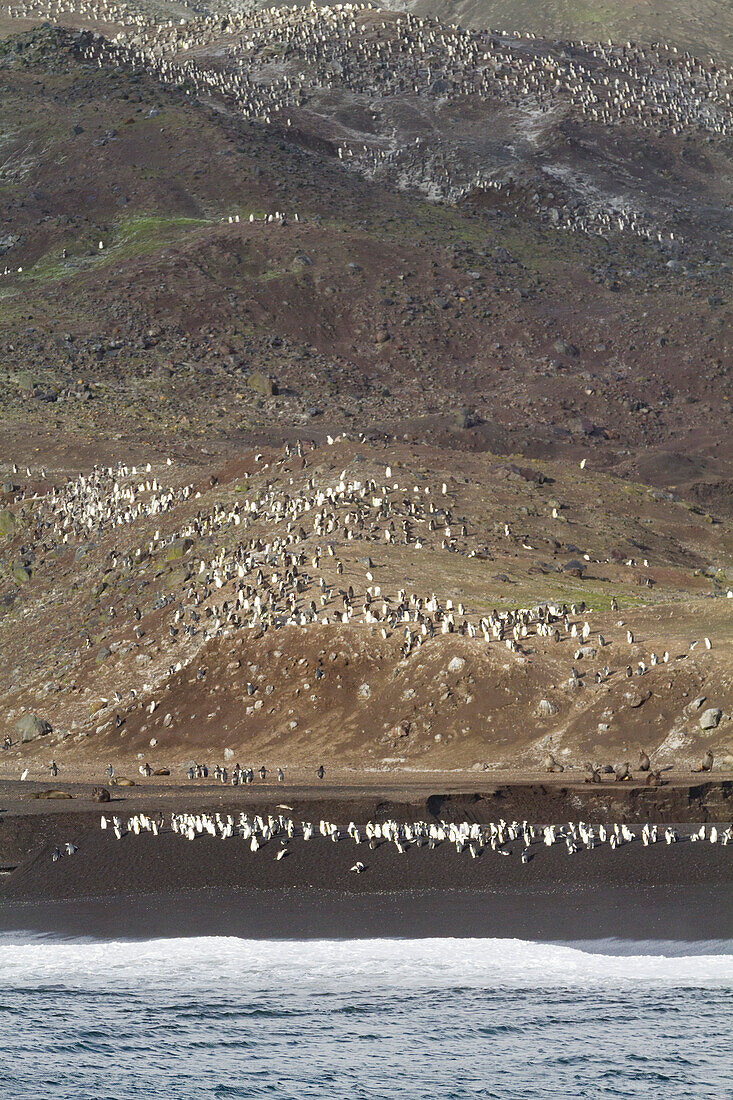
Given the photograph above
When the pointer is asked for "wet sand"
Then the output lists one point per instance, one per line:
(568, 913)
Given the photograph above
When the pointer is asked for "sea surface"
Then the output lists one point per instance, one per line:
(220, 1019)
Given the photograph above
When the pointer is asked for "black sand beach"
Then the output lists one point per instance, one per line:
(146, 886)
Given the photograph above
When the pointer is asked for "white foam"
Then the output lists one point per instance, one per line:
(378, 964)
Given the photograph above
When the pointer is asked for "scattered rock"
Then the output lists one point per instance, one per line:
(457, 664)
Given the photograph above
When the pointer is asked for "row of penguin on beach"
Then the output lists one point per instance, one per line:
(258, 830)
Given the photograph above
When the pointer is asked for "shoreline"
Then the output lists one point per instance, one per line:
(668, 913)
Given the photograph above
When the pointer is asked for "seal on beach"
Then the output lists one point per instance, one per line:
(644, 762)
(552, 765)
(101, 794)
(707, 763)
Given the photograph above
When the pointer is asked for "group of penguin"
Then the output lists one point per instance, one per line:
(258, 830)
(280, 562)
(364, 52)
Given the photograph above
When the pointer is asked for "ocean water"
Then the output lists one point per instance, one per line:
(220, 1019)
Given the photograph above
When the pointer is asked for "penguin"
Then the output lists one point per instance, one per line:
(321, 771)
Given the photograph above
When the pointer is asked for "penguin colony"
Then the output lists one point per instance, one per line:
(279, 562)
(369, 53)
(259, 831)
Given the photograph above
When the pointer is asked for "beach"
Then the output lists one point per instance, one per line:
(150, 886)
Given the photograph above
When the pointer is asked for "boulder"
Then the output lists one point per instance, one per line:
(7, 523)
(260, 383)
(574, 568)
(457, 664)
(178, 548)
(25, 380)
(547, 708)
(20, 573)
(710, 718)
(467, 418)
(30, 726)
